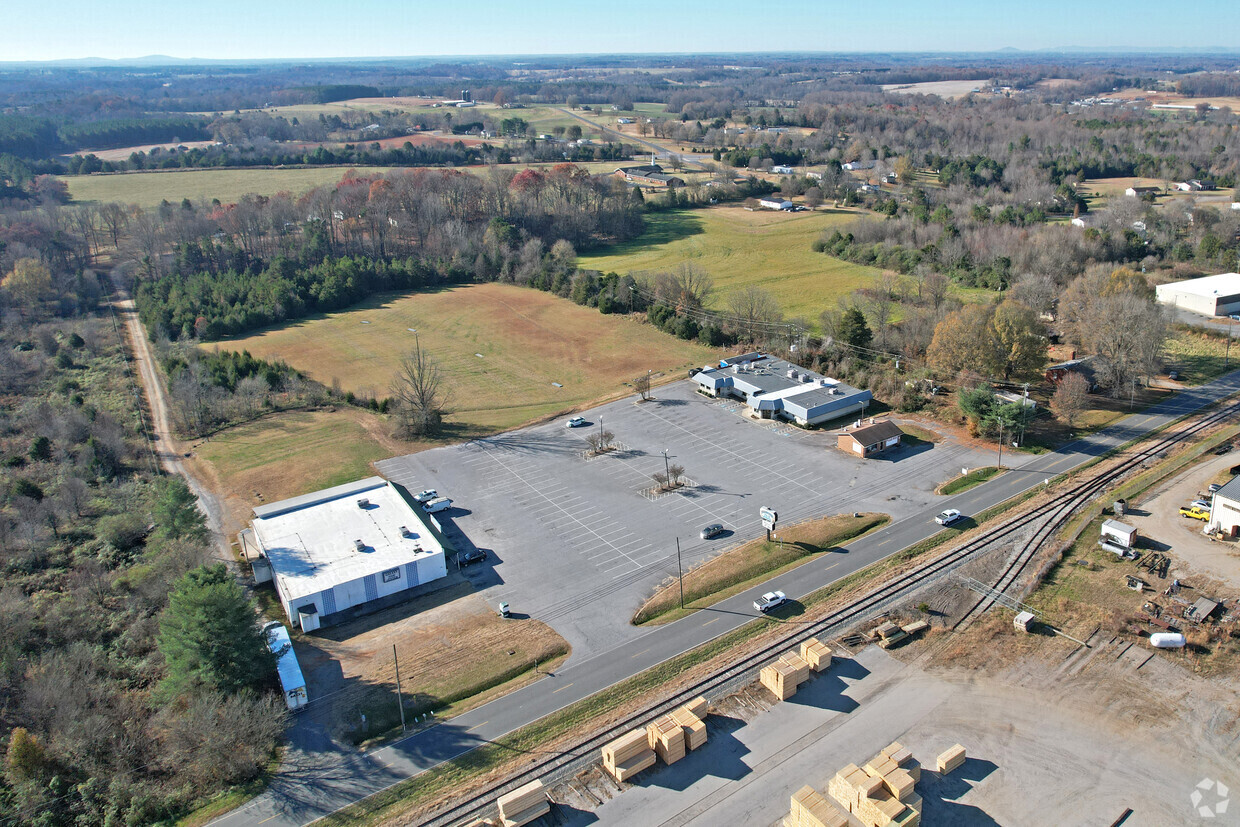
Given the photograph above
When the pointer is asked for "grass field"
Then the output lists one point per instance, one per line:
(501, 349)
(739, 248)
(147, 189)
(287, 454)
(946, 89)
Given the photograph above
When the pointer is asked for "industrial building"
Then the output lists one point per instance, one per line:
(1225, 509)
(1209, 295)
(345, 550)
(774, 389)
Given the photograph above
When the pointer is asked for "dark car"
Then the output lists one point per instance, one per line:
(473, 555)
(712, 530)
(1222, 449)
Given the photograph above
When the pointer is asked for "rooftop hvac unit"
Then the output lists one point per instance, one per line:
(806, 378)
(358, 545)
(823, 382)
(792, 374)
(404, 531)
(363, 503)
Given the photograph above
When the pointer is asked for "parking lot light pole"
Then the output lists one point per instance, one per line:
(680, 568)
(667, 469)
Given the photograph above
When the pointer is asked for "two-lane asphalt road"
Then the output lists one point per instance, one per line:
(319, 777)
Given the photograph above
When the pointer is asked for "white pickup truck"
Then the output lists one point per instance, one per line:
(769, 601)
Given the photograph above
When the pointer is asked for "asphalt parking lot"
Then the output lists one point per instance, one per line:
(580, 543)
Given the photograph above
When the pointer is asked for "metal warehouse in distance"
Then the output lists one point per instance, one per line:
(343, 551)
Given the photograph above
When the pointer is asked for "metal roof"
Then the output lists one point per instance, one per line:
(1230, 491)
(312, 541)
(878, 432)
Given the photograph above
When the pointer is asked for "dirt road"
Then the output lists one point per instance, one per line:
(167, 448)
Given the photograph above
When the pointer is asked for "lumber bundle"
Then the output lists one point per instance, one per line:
(667, 738)
(523, 805)
(915, 627)
(881, 794)
(850, 785)
(698, 707)
(693, 726)
(889, 634)
(784, 675)
(898, 753)
(816, 654)
(881, 809)
(951, 759)
(628, 755)
(811, 809)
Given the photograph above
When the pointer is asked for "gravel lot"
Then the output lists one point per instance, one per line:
(578, 544)
(1065, 736)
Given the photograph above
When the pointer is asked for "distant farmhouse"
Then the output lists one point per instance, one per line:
(772, 202)
(1085, 366)
(651, 174)
(344, 551)
(1137, 192)
(854, 166)
(774, 389)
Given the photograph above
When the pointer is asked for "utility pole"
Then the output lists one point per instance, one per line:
(400, 704)
(680, 568)
(1024, 409)
(1000, 446)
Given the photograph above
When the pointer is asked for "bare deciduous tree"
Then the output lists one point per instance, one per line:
(419, 395)
(1070, 398)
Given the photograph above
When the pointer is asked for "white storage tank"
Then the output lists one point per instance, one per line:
(1167, 640)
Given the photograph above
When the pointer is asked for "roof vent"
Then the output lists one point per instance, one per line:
(358, 545)
(736, 368)
(363, 503)
(823, 382)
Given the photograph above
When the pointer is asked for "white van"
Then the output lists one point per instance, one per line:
(437, 504)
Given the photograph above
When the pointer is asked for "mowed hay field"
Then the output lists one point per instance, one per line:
(287, 454)
(147, 189)
(500, 348)
(739, 247)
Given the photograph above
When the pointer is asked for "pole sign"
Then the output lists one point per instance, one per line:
(769, 518)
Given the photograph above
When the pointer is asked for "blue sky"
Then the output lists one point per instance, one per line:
(395, 28)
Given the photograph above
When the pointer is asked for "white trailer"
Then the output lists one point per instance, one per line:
(287, 666)
(1121, 534)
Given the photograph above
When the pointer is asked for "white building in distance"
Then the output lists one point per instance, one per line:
(337, 552)
(1209, 295)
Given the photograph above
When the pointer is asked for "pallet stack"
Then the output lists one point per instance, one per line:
(693, 726)
(816, 654)
(916, 627)
(628, 755)
(523, 805)
(784, 675)
(811, 809)
(667, 738)
(951, 759)
(889, 634)
(881, 795)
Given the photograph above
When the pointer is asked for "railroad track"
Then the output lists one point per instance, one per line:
(1046, 518)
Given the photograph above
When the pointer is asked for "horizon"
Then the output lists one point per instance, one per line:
(81, 30)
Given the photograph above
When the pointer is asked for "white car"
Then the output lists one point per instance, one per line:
(770, 600)
(426, 496)
(948, 517)
(576, 422)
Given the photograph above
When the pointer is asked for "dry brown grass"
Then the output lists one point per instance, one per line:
(454, 650)
(527, 340)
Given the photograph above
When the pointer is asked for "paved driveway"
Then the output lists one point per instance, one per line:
(580, 543)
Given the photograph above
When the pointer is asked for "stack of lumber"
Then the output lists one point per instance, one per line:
(816, 654)
(951, 759)
(850, 785)
(915, 627)
(628, 755)
(523, 805)
(810, 809)
(784, 675)
(889, 634)
(895, 780)
(698, 707)
(693, 727)
(667, 738)
(882, 809)
(904, 760)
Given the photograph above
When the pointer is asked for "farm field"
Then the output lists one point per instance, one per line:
(947, 89)
(1099, 190)
(147, 189)
(289, 453)
(739, 248)
(1176, 99)
(501, 348)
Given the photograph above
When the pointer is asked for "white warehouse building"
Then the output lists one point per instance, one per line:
(342, 551)
(775, 389)
(1209, 295)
